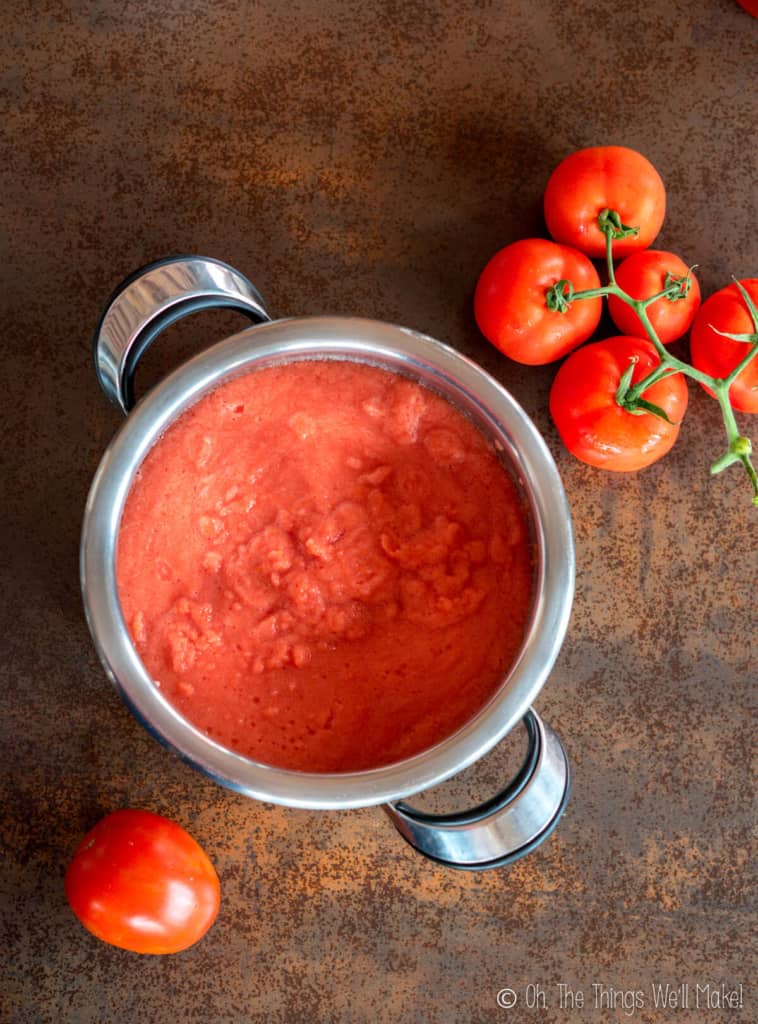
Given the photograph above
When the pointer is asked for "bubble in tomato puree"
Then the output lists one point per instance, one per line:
(325, 566)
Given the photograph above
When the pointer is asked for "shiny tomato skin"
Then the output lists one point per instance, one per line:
(140, 882)
(717, 356)
(643, 274)
(594, 427)
(509, 301)
(599, 178)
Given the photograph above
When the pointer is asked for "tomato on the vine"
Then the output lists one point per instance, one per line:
(716, 355)
(510, 306)
(604, 177)
(140, 882)
(644, 274)
(594, 427)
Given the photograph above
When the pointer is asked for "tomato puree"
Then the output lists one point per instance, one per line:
(324, 566)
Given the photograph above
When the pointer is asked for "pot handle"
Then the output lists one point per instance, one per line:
(151, 299)
(504, 828)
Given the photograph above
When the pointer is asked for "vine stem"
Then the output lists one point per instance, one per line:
(562, 294)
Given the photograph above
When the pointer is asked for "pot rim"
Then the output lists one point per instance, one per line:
(393, 348)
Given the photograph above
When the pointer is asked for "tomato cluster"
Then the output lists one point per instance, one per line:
(592, 192)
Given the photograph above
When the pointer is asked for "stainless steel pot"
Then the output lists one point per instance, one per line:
(528, 808)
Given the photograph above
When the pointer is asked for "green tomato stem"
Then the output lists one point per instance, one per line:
(740, 448)
(609, 257)
(590, 293)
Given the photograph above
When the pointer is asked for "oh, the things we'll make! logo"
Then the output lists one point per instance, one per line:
(659, 995)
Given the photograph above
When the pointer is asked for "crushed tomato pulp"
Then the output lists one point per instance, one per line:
(324, 566)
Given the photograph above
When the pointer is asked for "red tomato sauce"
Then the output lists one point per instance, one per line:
(325, 567)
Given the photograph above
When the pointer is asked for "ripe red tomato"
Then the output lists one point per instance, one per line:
(140, 882)
(751, 6)
(509, 301)
(598, 178)
(717, 356)
(644, 274)
(594, 427)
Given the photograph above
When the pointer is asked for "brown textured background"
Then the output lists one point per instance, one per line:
(368, 158)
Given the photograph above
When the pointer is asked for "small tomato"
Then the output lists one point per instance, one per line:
(140, 882)
(644, 274)
(594, 427)
(510, 306)
(604, 177)
(716, 355)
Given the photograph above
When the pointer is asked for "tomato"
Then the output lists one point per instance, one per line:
(510, 307)
(643, 274)
(751, 6)
(717, 356)
(140, 882)
(599, 178)
(594, 427)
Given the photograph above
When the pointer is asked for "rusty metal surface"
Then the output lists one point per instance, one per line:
(368, 158)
